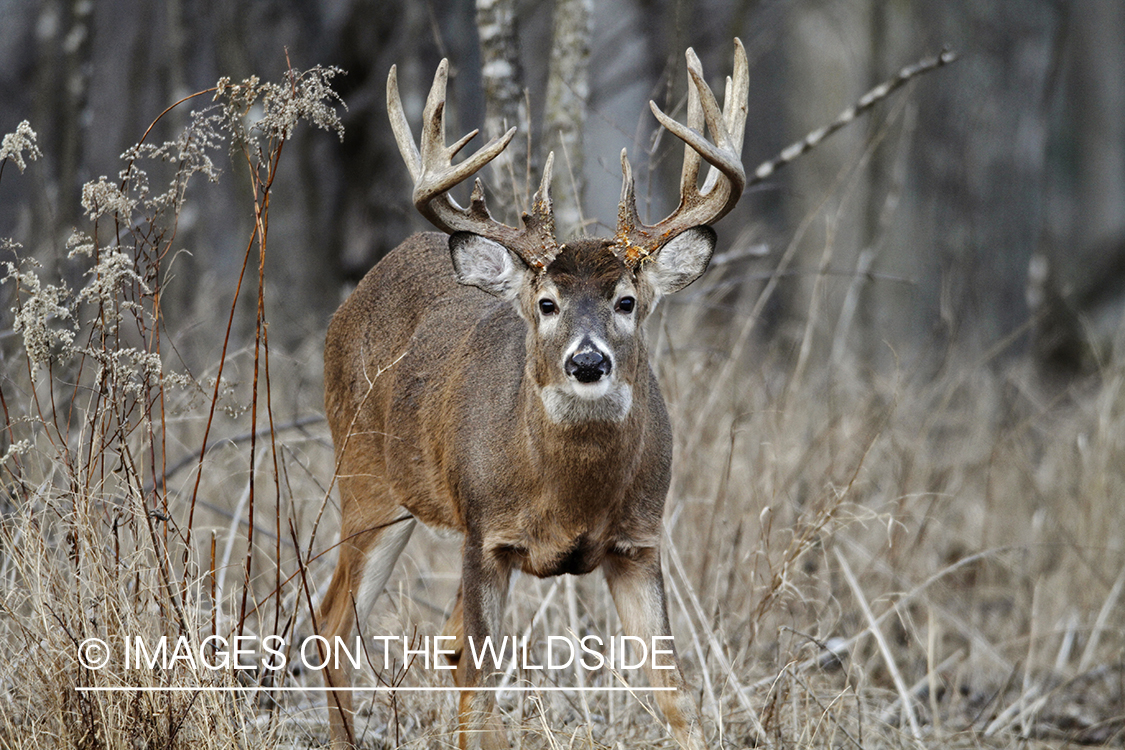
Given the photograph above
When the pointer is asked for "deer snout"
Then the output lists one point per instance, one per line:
(588, 365)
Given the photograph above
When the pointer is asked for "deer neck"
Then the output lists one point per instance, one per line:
(600, 440)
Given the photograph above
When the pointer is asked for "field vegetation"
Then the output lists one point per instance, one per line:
(928, 553)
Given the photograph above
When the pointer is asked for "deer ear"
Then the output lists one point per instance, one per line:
(486, 265)
(680, 261)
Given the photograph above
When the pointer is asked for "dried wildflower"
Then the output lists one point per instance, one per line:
(190, 152)
(101, 197)
(128, 371)
(17, 448)
(80, 243)
(36, 309)
(307, 95)
(115, 270)
(239, 96)
(14, 144)
(95, 424)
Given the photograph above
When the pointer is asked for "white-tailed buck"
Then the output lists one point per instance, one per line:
(496, 383)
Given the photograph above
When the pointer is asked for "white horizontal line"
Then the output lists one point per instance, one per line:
(380, 689)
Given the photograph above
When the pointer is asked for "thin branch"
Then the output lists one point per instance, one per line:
(790, 153)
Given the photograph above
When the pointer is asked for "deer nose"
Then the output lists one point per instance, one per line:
(587, 366)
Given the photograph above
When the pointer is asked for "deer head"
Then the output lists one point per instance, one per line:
(585, 301)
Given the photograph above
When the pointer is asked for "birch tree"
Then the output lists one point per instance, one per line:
(568, 88)
(505, 104)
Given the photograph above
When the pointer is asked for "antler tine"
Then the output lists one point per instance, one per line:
(721, 155)
(736, 96)
(438, 173)
(434, 174)
(689, 177)
(542, 216)
(631, 234)
(401, 128)
(433, 117)
(717, 196)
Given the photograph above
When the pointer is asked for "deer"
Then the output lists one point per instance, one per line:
(494, 382)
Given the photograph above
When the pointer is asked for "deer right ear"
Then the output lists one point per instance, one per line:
(486, 265)
(681, 260)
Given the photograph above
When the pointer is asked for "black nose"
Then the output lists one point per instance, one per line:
(587, 366)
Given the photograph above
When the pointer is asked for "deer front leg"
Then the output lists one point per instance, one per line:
(637, 586)
(480, 608)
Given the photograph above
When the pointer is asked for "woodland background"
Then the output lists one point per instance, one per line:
(898, 395)
(1016, 151)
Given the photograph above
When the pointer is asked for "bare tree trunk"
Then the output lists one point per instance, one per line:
(1075, 280)
(1101, 136)
(568, 89)
(505, 105)
(830, 49)
(986, 163)
(62, 82)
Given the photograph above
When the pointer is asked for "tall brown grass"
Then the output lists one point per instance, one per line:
(97, 542)
(854, 558)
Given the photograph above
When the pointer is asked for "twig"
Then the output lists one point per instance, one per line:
(507, 679)
(1108, 606)
(708, 687)
(194, 457)
(849, 115)
(926, 684)
(716, 647)
(884, 647)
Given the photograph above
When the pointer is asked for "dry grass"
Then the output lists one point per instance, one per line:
(858, 564)
(853, 559)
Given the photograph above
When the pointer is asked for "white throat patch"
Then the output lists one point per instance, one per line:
(564, 406)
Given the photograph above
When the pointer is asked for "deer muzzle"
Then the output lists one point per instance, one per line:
(588, 364)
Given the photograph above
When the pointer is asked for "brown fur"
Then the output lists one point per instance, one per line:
(432, 396)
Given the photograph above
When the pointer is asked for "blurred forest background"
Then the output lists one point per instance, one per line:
(991, 202)
(902, 360)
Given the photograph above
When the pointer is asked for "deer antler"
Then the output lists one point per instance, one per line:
(434, 175)
(725, 179)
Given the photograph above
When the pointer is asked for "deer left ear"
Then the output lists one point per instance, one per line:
(486, 265)
(680, 261)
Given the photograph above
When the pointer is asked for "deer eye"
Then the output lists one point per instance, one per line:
(548, 307)
(626, 305)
